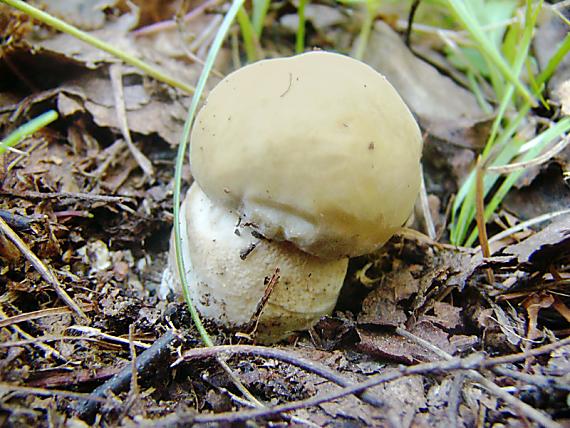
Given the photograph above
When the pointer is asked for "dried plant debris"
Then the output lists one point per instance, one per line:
(82, 201)
(67, 65)
(149, 110)
(391, 346)
(547, 193)
(411, 273)
(547, 247)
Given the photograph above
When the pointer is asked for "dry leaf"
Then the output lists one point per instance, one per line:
(442, 107)
(533, 304)
(545, 247)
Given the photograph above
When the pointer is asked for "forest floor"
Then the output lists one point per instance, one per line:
(434, 334)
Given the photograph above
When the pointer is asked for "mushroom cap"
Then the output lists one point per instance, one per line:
(228, 269)
(316, 149)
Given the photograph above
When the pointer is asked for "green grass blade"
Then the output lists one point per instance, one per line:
(300, 37)
(366, 28)
(463, 210)
(539, 142)
(478, 92)
(556, 59)
(27, 129)
(208, 65)
(248, 34)
(470, 23)
(534, 85)
(260, 8)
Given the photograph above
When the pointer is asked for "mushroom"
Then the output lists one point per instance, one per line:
(318, 155)
(317, 149)
(231, 269)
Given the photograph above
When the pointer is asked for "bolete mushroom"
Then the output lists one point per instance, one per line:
(317, 149)
(318, 155)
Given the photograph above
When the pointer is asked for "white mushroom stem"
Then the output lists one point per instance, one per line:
(230, 269)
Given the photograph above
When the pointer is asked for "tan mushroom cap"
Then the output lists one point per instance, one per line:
(228, 269)
(317, 149)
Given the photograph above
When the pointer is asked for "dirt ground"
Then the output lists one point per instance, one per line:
(424, 334)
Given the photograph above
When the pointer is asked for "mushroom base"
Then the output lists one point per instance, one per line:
(231, 270)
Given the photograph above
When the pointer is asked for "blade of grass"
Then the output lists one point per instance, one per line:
(463, 206)
(538, 143)
(539, 160)
(64, 27)
(556, 59)
(208, 65)
(518, 64)
(258, 14)
(27, 129)
(462, 13)
(467, 208)
(478, 92)
(300, 37)
(465, 200)
(248, 34)
(534, 86)
(366, 28)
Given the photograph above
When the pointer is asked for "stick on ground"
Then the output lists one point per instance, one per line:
(145, 362)
(44, 271)
(283, 355)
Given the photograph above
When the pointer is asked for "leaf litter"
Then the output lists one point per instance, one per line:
(80, 202)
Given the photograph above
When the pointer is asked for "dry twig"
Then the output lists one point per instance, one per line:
(95, 332)
(44, 271)
(523, 408)
(279, 354)
(152, 356)
(480, 216)
(29, 316)
(69, 195)
(26, 390)
(48, 350)
(474, 361)
(119, 97)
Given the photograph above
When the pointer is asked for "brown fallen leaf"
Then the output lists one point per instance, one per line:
(445, 316)
(540, 191)
(8, 251)
(496, 319)
(404, 398)
(114, 31)
(146, 113)
(412, 275)
(85, 14)
(392, 346)
(442, 107)
(443, 400)
(533, 304)
(543, 248)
